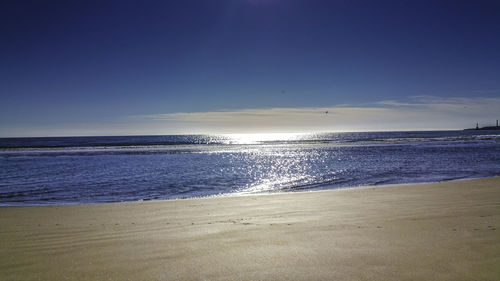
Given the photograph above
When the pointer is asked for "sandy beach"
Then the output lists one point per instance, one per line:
(439, 231)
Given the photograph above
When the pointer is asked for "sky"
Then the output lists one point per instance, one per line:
(71, 68)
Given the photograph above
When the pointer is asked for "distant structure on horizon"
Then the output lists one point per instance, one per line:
(486, 128)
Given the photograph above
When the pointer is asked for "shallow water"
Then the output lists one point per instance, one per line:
(73, 170)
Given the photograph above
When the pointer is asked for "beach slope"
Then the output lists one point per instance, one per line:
(439, 231)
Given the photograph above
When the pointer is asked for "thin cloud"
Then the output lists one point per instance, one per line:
(416, 113)
(420, 112)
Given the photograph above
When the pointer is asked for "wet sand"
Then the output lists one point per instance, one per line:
(441, 231)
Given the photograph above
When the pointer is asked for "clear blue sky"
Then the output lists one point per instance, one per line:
(89, 67)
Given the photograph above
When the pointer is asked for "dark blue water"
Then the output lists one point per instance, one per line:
(73, 170)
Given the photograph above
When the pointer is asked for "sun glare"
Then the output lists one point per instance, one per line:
(259, 138)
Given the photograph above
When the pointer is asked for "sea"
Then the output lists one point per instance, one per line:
(84, 170)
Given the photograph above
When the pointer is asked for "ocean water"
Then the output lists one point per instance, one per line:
(76, 170)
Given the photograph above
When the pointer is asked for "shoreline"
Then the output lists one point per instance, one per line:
(231, 195)
(429, 231)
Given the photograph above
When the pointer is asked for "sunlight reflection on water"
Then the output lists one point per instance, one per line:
(112, 169)
(260, 138)
(272, 168)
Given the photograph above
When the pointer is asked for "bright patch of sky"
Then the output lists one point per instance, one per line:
(419, 113)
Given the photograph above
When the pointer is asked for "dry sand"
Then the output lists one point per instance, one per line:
(441, 231)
